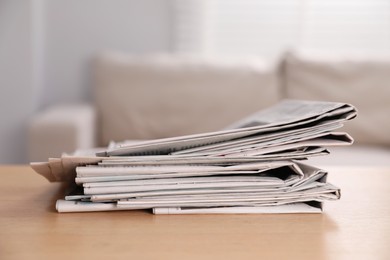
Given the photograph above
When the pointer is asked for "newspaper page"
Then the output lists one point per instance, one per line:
(254, 166)
(301, 184)
(288, 114)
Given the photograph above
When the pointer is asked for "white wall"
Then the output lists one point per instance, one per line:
(16, 75)
(46, 47)
(76, 30)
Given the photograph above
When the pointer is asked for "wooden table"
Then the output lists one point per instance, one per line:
(356, 227)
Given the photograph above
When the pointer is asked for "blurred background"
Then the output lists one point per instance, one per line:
(49, 50)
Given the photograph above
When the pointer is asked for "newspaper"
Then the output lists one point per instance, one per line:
(282, 118)
(257, 186)
(253, 166)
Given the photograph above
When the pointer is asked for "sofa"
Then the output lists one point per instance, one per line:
(157, 96)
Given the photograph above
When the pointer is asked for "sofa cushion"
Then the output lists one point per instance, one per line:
(364, 83)
(61, 128)
(148, 97)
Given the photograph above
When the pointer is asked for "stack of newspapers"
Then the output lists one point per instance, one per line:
(254, 166)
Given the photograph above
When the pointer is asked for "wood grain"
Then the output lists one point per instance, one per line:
(356, 227)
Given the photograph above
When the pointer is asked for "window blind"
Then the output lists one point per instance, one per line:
(270, 27)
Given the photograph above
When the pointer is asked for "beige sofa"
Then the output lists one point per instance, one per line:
(160, 96)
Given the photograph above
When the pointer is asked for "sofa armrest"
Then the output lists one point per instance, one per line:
(61, 129)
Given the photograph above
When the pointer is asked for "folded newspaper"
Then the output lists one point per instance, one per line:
(253, 166)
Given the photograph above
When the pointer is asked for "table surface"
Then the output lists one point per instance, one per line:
(356, 227)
